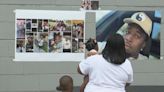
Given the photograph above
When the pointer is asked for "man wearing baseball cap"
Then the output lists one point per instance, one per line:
(138, 33)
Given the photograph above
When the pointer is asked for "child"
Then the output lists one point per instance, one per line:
(66, 84)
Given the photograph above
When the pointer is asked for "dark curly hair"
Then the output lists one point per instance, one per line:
(91, 44)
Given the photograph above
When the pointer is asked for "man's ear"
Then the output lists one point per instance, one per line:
(146, 47)
(143, 45)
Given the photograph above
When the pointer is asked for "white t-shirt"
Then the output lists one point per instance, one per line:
(105, 76)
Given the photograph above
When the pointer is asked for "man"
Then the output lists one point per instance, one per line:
(138, 34)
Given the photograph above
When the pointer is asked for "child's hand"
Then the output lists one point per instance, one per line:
(92, 52)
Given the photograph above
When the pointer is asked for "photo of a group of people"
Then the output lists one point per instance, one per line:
(48, 35)
(89, 5)
(60, 25)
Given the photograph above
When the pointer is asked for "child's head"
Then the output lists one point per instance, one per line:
(91, 44)
(66, 84)
(57, 37)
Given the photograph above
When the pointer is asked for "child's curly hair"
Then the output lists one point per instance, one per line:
(91, 44)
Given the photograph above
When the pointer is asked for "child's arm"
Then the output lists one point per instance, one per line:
(85, 81)
(92, 52)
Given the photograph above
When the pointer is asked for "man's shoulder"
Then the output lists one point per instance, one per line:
(140, 57)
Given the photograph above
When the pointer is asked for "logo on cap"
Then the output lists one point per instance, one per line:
(140, 17)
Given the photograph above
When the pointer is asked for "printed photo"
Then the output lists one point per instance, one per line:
(75, 45)
(78, 29)
(81, 46)
(89, 5)
(29, 42)
(20, 45)
(40, 23)
(45, 26)
(41, 42)
(67, 42)
(60, 25)
(52, 25)
(94, 5)
(86, 5)
(55, 42)
(20, 28)
(28, 25)
(34, 25)
(140, 29)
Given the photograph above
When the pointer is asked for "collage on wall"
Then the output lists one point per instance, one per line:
(50, 36)
(140, 29)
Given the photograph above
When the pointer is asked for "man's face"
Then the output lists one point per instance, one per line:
(134, 40)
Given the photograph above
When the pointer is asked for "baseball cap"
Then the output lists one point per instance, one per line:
(142, 20)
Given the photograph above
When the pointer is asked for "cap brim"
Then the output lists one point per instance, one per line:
(129, 20)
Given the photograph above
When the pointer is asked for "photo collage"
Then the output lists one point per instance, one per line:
(49, 36)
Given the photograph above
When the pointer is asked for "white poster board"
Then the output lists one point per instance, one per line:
(47, 35)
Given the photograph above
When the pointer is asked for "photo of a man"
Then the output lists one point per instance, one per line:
(137, 28)
(138, 34)
(29, 42)
(20, 45)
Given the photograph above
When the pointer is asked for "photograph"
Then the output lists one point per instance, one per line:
(45, 25)
(86, 5)
(34, 25)
(20, 28)
(60, 25)
(55, 42)
(94, 5)
(78, 29)
(140, 29)
(40, 23)
(52, 25)
(75, 45)
(41, 42)
(89, 5)
(81, 46)
(29, 42)
(20, 46)
(66, 42)
(28, 25)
